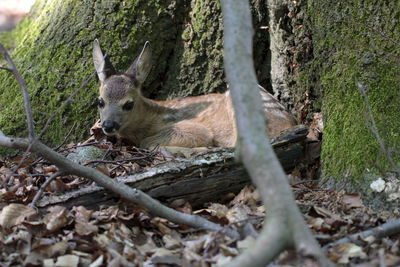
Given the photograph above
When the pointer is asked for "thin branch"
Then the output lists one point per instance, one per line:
(66, 137)
(43, 187)
(115, 161)
(386, 229)
(4, 68)
(131, 194)
(76, 146)
(374, 129)
(22, 84)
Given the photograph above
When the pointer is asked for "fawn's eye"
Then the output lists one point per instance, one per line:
(100, 103)
(128, 105)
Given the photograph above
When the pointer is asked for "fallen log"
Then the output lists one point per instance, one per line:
(203, 178)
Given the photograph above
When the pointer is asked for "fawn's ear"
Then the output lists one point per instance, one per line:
(102, 64)
(142, 65)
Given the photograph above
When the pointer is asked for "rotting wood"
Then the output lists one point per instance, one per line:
(203, 178)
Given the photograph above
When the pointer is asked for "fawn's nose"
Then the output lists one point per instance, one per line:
(110, 126)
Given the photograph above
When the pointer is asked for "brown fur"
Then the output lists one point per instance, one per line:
(200, 121)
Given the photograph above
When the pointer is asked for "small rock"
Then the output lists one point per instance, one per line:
(378, 185)
(86, 153)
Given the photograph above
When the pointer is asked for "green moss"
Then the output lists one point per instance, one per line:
(53, 54)
(54, 48)
(7, 39)
(351, 45)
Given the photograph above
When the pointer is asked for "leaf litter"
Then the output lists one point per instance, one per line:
(127, 235)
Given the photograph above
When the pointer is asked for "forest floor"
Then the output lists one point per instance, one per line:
(127, 235)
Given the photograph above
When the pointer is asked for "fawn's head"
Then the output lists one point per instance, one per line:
(119, 92)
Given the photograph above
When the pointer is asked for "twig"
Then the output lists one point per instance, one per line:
(59, 146)
(387, 229)
(81, 145)
(43, 187)
(4, 68)
(374, 129)
(22, 85)
(381, 254)
(109, 149)
(119, 165)
(305, 182)
(66, 137)
(115, 161)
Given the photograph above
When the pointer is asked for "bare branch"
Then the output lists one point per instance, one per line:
(387, 229)
(43, 187)
(374, 129)
(285, 227)
(4, 68)
(22, 84)
(66, 137)
(122, 190)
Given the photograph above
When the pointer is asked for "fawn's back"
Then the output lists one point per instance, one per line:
(198, 121)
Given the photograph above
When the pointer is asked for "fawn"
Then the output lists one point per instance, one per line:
(198, 121)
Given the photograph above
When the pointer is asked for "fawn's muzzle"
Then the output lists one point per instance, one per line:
(110, 126)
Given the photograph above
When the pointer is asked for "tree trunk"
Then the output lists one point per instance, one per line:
(53, 52)
(357, 42)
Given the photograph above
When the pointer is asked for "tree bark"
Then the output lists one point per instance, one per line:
(279, 62)
(53, 53)
(357, 42)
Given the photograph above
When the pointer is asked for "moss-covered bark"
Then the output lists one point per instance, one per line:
(354, 41)
(53, 52)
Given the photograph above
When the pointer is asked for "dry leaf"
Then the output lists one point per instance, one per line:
(326, 213)
(218, 210)
(244, 196)
(352, 201)
(316, 223)
(67, 261)
(344, 252)
(96, 132)
(51, 168)
(51, 250)
(85, 228)
(57, 218)
(238, 213)
(172, 241)
(57, 186)
(14, 214)
(98, 262)
(103, 169)
(82, 214)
